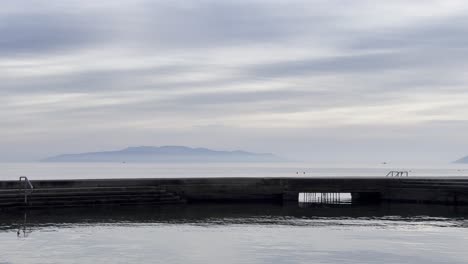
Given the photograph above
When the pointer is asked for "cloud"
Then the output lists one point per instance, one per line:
(444, 33)
(273, 75)
(33, 33)
(359, 63)
(211, 23)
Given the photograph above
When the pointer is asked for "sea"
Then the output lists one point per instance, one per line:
(233, 233)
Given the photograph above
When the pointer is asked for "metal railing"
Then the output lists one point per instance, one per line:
(397, 174)
(27, 186)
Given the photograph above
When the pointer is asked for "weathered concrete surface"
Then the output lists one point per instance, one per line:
(419, 190)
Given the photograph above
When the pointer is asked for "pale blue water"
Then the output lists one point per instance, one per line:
(232, 233)
(11, 171)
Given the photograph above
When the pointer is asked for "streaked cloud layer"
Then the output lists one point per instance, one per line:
(318, 80)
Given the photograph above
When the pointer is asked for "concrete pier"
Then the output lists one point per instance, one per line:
(50, 193)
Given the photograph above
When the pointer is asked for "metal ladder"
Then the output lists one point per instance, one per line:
(397, 174)
(27, 187)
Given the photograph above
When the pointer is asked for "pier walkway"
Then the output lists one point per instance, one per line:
(50, 193)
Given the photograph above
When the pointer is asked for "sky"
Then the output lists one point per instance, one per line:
(322, 81)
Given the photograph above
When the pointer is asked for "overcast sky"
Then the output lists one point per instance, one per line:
(339, 81)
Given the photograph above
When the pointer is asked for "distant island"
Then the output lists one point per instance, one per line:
(166, 154)
(462, 160)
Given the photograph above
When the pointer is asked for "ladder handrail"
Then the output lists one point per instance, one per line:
(397, 174)
(27, 183)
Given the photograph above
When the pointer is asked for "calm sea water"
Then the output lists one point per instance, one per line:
(232, 233)
(11, 171)
(237, 233)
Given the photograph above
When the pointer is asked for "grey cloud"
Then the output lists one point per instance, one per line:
(211, 104)
(94, 80)
(286, 100)
(440, 34)
(439, 43)
(149, 24)
(214, 23)
(360, 63)
(246, 97)
(39, 33)
(339, 64)
(372, 66)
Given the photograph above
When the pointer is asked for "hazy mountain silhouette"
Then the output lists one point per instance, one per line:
(462, 160)
(165, 154)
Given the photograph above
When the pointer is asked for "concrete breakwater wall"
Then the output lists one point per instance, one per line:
(191, 190)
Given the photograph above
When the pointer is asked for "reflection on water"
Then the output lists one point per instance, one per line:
(239, 214)
(237, 233)
(23, 227)
(223, 214)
